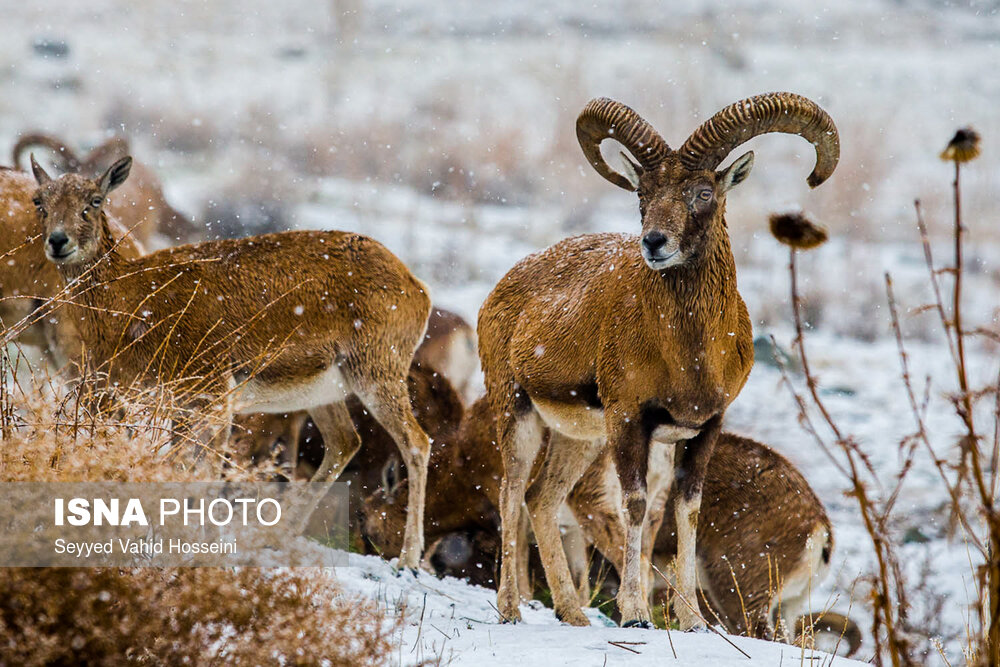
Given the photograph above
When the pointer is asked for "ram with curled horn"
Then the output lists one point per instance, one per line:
(637, 343)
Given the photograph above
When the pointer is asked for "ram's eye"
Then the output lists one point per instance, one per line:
(37, 201)
(705, 194)
(84, 212)
(96, 201)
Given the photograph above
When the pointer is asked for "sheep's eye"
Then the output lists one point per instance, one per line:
(96, 201)
(704, 194)
(37, 201)
(84, 212)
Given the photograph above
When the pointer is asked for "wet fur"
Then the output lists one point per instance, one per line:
(251, 325)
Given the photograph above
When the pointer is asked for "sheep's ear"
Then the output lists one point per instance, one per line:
(40, 174)
(115, 175)
(737, 172)
(631, 170)
(391, 477)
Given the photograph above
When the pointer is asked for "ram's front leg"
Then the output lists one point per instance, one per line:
(691, 466)
(630, 445)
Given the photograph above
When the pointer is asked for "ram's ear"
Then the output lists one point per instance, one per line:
(391, 477)
(631, 170)
(115, 175)
(41, 176)
(737, 172)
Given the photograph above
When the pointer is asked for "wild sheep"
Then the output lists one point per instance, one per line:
(449, 346)
(271, 323)
(764, 531)
(27, 279)
(636, 343)
(139, 202)
(764, 542)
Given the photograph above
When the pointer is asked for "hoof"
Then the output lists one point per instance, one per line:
(635, 623)
(512, 616)
(574, 617)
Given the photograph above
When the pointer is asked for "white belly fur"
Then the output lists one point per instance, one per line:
(582, 422)
(320, 389)
(576, 421)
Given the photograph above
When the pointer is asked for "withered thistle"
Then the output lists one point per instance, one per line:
(797, 231)
(963, 147)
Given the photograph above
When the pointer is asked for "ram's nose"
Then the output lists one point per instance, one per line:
(653, 242)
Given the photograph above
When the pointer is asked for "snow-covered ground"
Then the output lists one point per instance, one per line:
(451, 622)
(445, 130)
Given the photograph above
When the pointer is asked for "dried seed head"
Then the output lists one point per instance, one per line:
(797, 231)
(963, 147)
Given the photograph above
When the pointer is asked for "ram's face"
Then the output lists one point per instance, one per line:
(678, 208)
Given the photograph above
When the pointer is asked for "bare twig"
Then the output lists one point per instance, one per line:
(697, 613)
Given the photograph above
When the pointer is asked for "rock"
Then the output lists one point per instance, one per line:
(766, 352)
(47, 47)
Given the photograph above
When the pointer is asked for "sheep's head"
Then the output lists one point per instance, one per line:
(70, 210)
(383, 513)
(682, 195)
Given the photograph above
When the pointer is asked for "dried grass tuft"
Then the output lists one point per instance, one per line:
(55, 432)
(196, 616)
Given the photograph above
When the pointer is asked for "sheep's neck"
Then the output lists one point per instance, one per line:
(707, 280)
(91, 280)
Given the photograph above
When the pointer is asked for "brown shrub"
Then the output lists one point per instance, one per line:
(195, 616)
(184, 616)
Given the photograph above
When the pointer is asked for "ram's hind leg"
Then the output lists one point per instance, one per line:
(520, 438)
(596, 502)
(566, 461)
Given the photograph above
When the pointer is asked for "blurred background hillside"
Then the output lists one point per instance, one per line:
(446, 130)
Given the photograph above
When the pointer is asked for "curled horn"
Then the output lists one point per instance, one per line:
(709, 145)
(104, 154)
(604, 118)
(67, 159)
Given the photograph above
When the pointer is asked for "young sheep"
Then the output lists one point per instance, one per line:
(27, 279)
(139, 203)
(636, 343)
(765, 530)
(272, 323)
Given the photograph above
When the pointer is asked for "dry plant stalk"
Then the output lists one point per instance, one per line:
(892, 632)
(888, 598)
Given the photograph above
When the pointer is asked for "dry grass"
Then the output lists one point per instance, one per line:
(54, 432)
(194, 616)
